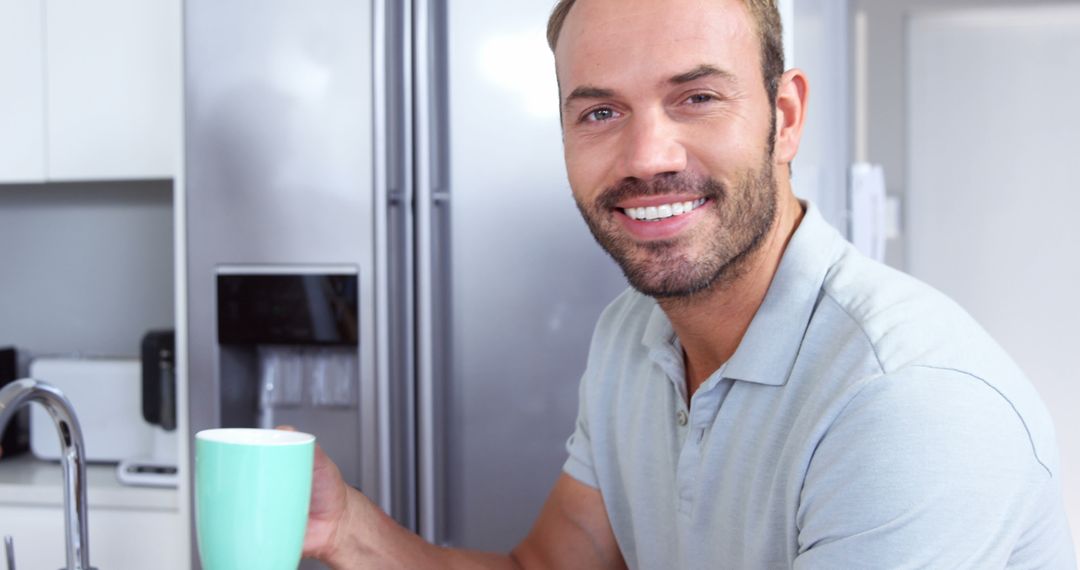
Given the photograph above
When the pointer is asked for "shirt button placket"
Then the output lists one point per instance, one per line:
(687, 459)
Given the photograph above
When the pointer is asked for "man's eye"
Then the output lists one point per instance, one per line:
(600, 115)
(700, 98)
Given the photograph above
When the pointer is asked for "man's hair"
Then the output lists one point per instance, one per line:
(769, 30)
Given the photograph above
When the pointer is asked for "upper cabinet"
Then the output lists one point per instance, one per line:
(98, 89)
(113, 88)
(22, 92)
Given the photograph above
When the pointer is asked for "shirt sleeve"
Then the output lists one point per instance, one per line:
(928, 468)
(579, 464)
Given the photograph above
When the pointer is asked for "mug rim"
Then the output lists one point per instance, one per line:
(254, 436)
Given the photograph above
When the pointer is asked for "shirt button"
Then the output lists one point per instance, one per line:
(681, 418)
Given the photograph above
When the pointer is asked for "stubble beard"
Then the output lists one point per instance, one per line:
(738, 221)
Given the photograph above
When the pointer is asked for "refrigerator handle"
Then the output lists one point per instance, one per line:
(383, 204)
(432, 283)
(394, 268)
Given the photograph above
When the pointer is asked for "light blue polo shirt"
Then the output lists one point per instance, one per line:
(865, 421)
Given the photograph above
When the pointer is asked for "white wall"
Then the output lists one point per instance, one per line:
(85, 267)
(821, 49)
(885, 88)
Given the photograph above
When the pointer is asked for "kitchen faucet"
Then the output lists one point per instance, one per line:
(72, 454)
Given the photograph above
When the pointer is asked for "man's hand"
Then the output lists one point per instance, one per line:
(326, 514)
(346, 530)
(327, 510)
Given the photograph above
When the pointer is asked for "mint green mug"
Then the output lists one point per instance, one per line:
(252, 491)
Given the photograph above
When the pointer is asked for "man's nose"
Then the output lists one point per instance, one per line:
(652, 147)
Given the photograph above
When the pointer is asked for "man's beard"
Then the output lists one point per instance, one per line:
(738, 219)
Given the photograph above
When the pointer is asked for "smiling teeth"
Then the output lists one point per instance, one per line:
(654, 213)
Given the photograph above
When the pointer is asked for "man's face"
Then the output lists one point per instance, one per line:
(668, 137)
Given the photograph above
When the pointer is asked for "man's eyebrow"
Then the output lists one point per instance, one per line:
(588, 92)
(703, 70)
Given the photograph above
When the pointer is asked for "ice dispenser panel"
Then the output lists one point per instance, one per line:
(319, 309)
(288, 349)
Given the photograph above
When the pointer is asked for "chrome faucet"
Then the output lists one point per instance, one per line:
(72, 454)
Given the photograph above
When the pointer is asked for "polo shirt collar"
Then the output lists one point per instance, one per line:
(767, 352)
(664, 347)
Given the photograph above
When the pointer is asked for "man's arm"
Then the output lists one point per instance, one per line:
(573, 531)
(346, 530)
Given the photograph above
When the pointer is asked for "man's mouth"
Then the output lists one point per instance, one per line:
(662, 211)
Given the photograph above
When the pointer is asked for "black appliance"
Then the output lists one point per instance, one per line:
(158, 353)
(16, 437)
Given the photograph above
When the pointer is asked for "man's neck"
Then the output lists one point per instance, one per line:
(711, 324)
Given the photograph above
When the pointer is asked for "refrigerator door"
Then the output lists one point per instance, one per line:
(510, 281)
(278, 172)
(298, 158)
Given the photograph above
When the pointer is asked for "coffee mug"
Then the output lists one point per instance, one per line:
(252, 491)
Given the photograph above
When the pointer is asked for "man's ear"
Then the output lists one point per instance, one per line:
(791, 96)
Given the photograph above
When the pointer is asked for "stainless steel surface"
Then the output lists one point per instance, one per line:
(380, 128)
(279, 171)
(527, 280)
(14, 396)
(9, 551)
(428, 470)
(394, 268)
(419, 142)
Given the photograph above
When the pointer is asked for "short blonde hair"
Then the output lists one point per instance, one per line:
(769, 29)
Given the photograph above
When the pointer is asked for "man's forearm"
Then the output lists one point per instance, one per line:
(368, 538)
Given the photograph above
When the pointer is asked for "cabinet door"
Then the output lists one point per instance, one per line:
(113, 79)
(120, 539)
(22, 91)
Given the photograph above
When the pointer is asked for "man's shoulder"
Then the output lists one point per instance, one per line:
(921, 339)
(905, 321)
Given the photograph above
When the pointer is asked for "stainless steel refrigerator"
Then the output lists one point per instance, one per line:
(382, 248)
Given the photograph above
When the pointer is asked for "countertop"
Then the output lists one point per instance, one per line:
(28, 481)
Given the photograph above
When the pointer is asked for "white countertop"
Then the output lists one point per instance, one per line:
(28, 481)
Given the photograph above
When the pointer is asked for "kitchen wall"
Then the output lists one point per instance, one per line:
(880, 130)
(85, 267)
(821, 49)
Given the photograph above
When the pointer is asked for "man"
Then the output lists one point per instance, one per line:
(763, 397)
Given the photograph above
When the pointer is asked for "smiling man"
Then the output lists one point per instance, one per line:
(762, 396)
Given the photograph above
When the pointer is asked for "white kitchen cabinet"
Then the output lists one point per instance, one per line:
(89, 89)
(120, 539)
(22, 92)
(131, 528)
(113, 88)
